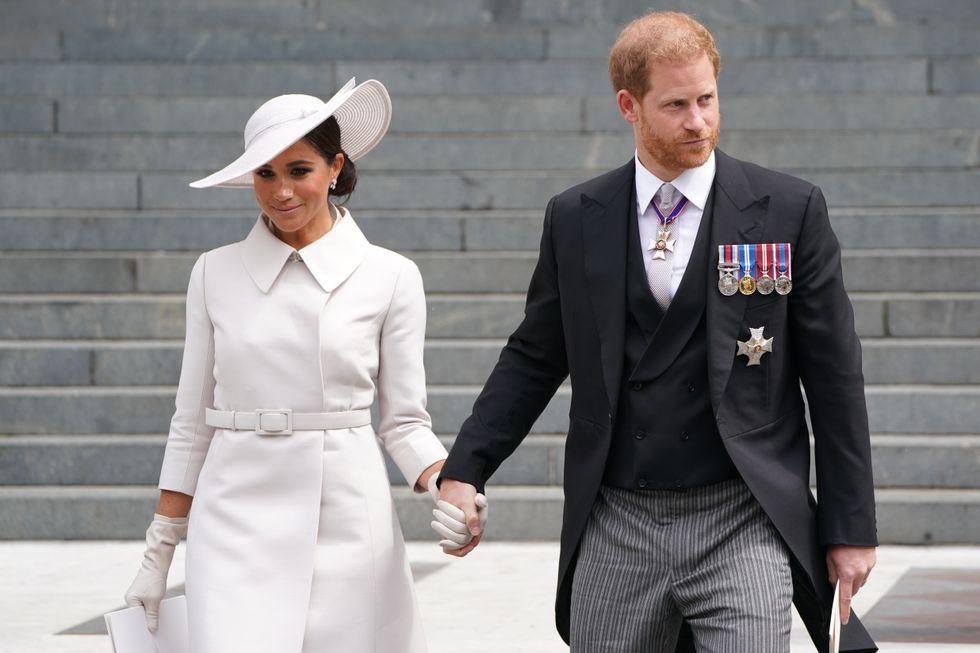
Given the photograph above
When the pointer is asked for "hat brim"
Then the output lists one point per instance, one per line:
(363, 113)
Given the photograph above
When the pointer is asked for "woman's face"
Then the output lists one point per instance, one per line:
(293, 189)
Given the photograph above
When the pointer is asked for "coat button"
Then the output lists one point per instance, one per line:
(685, 436)
(642, 482)
(639, 435)
(678, 484)
(690, 387)
(637, 386)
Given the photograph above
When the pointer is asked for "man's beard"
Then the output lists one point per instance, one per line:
(673, 155)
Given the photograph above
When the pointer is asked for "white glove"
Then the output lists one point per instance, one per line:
(450, 523)
(151, 582)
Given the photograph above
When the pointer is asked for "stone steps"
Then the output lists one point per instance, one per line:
(127, 316)
(216, 115)
(952, 409)
(461, 190)
(815, 150)
(943, 361)
(445, 272)
(900, 461)
(426, 230)
(520, 513)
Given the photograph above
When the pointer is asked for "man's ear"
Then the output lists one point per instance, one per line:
(628, 106)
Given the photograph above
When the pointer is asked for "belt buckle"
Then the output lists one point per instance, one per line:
(274, 421)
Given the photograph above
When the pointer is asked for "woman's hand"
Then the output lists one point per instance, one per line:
(150, 585)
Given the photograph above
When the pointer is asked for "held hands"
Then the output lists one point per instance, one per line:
(151, 582)
(852, 566)
(460, 516)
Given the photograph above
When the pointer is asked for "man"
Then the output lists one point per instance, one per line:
(688, 294)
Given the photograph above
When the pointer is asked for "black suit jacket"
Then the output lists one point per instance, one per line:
(574, 324)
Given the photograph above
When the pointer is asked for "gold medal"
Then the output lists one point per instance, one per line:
(746, 285)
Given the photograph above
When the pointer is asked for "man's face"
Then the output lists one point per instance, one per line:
(677, 121)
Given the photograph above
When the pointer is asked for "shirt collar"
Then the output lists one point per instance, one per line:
(693, 183)
(331, 258)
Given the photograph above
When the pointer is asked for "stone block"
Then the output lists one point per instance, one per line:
(160, 115)
(795, 76)
(138, 365)
(920, 361)
(514, 234)
(81, 460)
(82, 317)
(912, 516)
(75, 513)
(897, 228)
(765, 12)
(912, 11)
(869, 315)
(28, 115)
(898, 188)
(935, 315)
(457, 362)
(840, 149)
(164, 273)
(86, 411)
(236, 45)
(923, 409)
(472, 272)
(143, 231)
(68, 190)
(43, 366)
(42, 273)
(912, 270)
(933, 461)
(444, 114)
(956, 75)
(103, 79)
(29, 46)
(492, 316)
(128, 152)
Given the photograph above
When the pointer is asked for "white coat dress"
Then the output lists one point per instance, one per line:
(293, 543)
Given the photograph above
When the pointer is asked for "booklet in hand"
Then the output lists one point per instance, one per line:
(835, 621)
(129, 634)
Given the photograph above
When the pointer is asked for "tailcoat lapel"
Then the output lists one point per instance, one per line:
(738, 216)
(606, 214)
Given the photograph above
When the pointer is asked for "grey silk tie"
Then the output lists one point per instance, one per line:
(661, 270)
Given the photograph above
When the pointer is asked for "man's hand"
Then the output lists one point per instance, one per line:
(851, 565)
(463, 496)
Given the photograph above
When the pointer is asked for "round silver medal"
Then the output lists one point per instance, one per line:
(783, 284)
(728, 284)
(766, 285)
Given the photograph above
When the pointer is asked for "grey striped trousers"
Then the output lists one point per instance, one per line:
(649, 560)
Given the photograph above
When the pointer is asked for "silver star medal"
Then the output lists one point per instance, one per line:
(663, 244)
(755, 347)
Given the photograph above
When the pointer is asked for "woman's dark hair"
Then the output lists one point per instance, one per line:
(325, 139)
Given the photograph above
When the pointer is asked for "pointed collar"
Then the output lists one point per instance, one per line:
(693, 183)
(331, 258)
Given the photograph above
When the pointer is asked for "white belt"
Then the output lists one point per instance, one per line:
(283, 421)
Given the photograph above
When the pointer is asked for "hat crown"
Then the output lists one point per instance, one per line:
(280, 110)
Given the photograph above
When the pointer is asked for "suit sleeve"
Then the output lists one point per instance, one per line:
(190, 437)
(828, 355)
(405, 428)
(531, 367)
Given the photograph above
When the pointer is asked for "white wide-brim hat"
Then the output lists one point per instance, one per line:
(363, 112)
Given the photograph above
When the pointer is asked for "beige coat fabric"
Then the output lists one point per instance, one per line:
(293, 542)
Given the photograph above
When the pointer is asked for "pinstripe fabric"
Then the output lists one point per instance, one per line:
(650, 559)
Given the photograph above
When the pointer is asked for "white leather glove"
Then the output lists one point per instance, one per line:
(150, 585)
(450, 523)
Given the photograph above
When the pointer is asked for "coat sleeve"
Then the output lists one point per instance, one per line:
(828, 355)
(531, 367)
(405, 427)
(190, 437)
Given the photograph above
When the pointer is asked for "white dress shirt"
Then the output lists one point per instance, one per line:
(695, 185)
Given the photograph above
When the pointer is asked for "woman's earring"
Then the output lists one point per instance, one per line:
(333, 184)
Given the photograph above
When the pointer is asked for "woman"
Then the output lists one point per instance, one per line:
(294, 544)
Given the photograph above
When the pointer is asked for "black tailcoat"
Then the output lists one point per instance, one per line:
(574, 326)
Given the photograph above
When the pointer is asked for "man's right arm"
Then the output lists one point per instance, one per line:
(529, 371)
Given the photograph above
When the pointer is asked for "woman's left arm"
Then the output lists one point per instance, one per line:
(405, 427)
